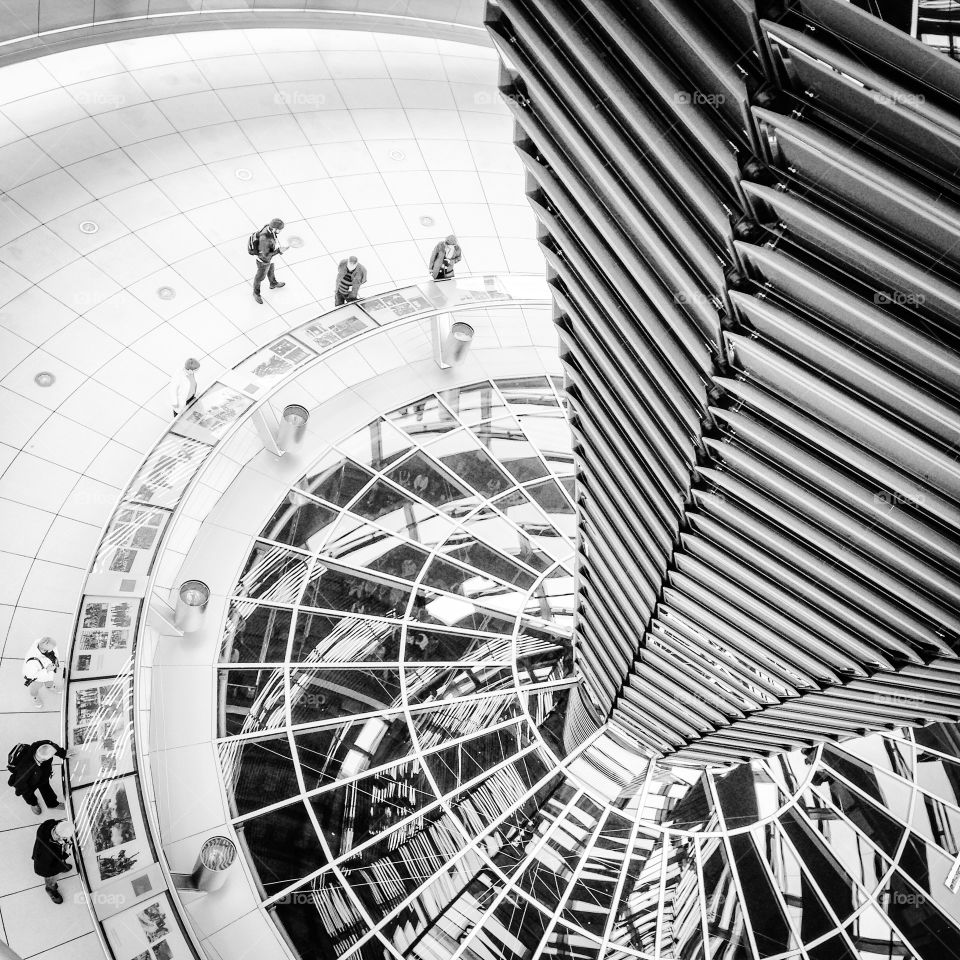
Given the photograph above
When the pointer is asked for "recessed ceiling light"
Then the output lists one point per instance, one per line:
(426, 220)
(295, 241)
(166, 293)
(88, 226)
(44, 379)
(397, 155)
(242, 173)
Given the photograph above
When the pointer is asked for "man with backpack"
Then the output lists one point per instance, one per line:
(265, 245)
(31, 769)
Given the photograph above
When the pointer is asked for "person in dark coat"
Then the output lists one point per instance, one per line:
(350, 274)
(51, 854)
(33, 771)
(269, 247)
(444, 255)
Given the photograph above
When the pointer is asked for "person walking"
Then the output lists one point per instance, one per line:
(350, 274)
(51, 854)
(41, 668)
(265, 245)
(445, 254)
(183, 386)
(31, 769)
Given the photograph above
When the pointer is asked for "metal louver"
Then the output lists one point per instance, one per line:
(751, 218)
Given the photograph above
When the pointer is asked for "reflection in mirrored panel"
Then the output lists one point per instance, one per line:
(255, 633)
(335, 479)
(250, 700)
(259, 772)
(300, 522)
(282, 845)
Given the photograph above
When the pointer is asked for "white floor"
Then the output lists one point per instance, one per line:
(145, 164)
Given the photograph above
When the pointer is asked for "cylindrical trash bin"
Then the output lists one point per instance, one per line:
(216, 857)
(293, 425)
(458, 342)
(191, 603)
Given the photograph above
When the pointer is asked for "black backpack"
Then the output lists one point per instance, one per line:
(253, 242)
(13, 758)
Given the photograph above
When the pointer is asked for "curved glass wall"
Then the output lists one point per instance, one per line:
(395, 673)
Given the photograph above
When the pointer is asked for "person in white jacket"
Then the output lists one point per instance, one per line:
(183, 386)
(41, 668)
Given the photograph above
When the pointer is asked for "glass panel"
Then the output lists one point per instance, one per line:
(255, 633)
(348, 749)
(422, 478)
(528, 394)
(424, 420)
(273, 574)
(489, 561)
(517, 455)
(335, 479)
(321, 921)
(397, 558)
(437, 848)
(250, 700)
(475, 403)
(258, 773)
(427, 643)
(373, 806)
(320, 638)
(636, 918)
(462, 455)
(324, 694)
(283, 846)
(442, 722)
(300, 522)
(382, 499)
(463, 762)
(376, 445)
(353, 591)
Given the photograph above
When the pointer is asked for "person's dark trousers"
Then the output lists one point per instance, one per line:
(339, 299)
(46, 791)
(445, 274)
(264, 269)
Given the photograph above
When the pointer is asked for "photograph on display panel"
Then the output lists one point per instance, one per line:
(397, 304)
(328, 331)
(99, 728)
(213, 413)
(167, 471)
(131, 541)
(105, 636)
(271, 364)
(110, 830)
(147, 931)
